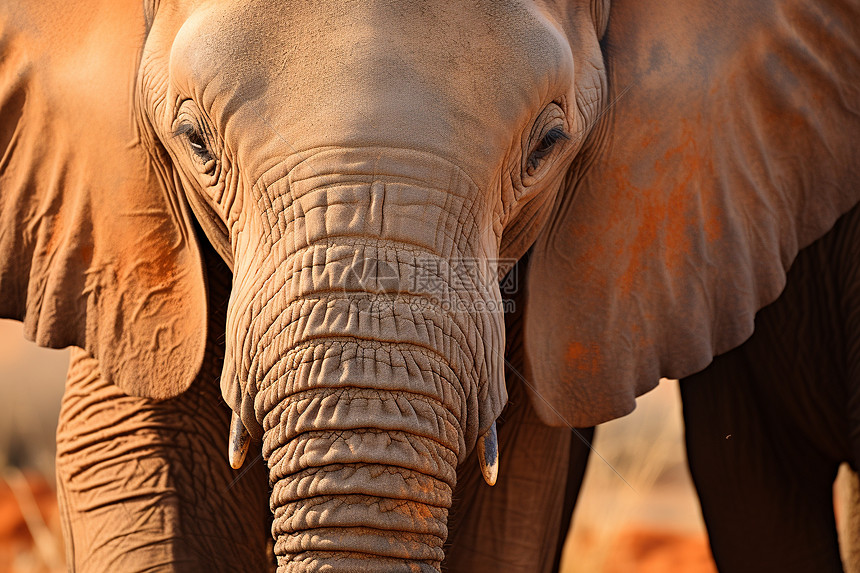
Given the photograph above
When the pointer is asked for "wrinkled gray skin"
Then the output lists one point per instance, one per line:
(363, 168)
(315, 202)
(361, 154)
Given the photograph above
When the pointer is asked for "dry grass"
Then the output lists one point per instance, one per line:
(31, 385)
(31, 540)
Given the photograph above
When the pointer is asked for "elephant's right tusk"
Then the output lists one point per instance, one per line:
(488, 455)
(239, 440)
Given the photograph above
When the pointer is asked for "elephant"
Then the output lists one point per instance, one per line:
(277, 231)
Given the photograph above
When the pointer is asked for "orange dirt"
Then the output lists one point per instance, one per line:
(645, 551)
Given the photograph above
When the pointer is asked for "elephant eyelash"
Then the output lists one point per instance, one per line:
(546, 144)
(196, 140)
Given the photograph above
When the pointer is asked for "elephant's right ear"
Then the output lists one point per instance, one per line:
(732, 141)
(95, 251)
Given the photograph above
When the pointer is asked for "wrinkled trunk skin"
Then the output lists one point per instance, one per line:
(362, 477)
(362, 439)
(369, 365)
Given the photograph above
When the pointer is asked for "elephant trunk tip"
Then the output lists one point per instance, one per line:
(350, 562)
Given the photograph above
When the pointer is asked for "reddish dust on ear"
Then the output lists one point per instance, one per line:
(665, 205)
(584, 358)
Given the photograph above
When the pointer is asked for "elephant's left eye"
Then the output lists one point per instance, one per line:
(196, 141)
(546, 145)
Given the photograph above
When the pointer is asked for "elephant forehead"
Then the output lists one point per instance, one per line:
(448, 77)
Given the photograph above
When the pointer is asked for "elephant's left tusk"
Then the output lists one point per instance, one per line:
(239, 440)
(488, 455)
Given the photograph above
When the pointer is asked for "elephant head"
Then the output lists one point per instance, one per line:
(369, 171)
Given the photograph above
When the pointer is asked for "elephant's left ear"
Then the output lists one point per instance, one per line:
(732, 142)
(94, 250)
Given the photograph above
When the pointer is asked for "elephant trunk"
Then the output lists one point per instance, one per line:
(371, 354)
(360, 499)
(362, 434)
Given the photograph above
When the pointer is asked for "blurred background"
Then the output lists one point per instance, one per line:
(31, 386)
(637, 510)
(647, 522)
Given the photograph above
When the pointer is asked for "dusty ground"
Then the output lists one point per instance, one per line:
(647, 522)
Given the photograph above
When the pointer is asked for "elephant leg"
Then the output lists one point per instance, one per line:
(146, 486)
(765, 491)
(520, 524)
(769, 423)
